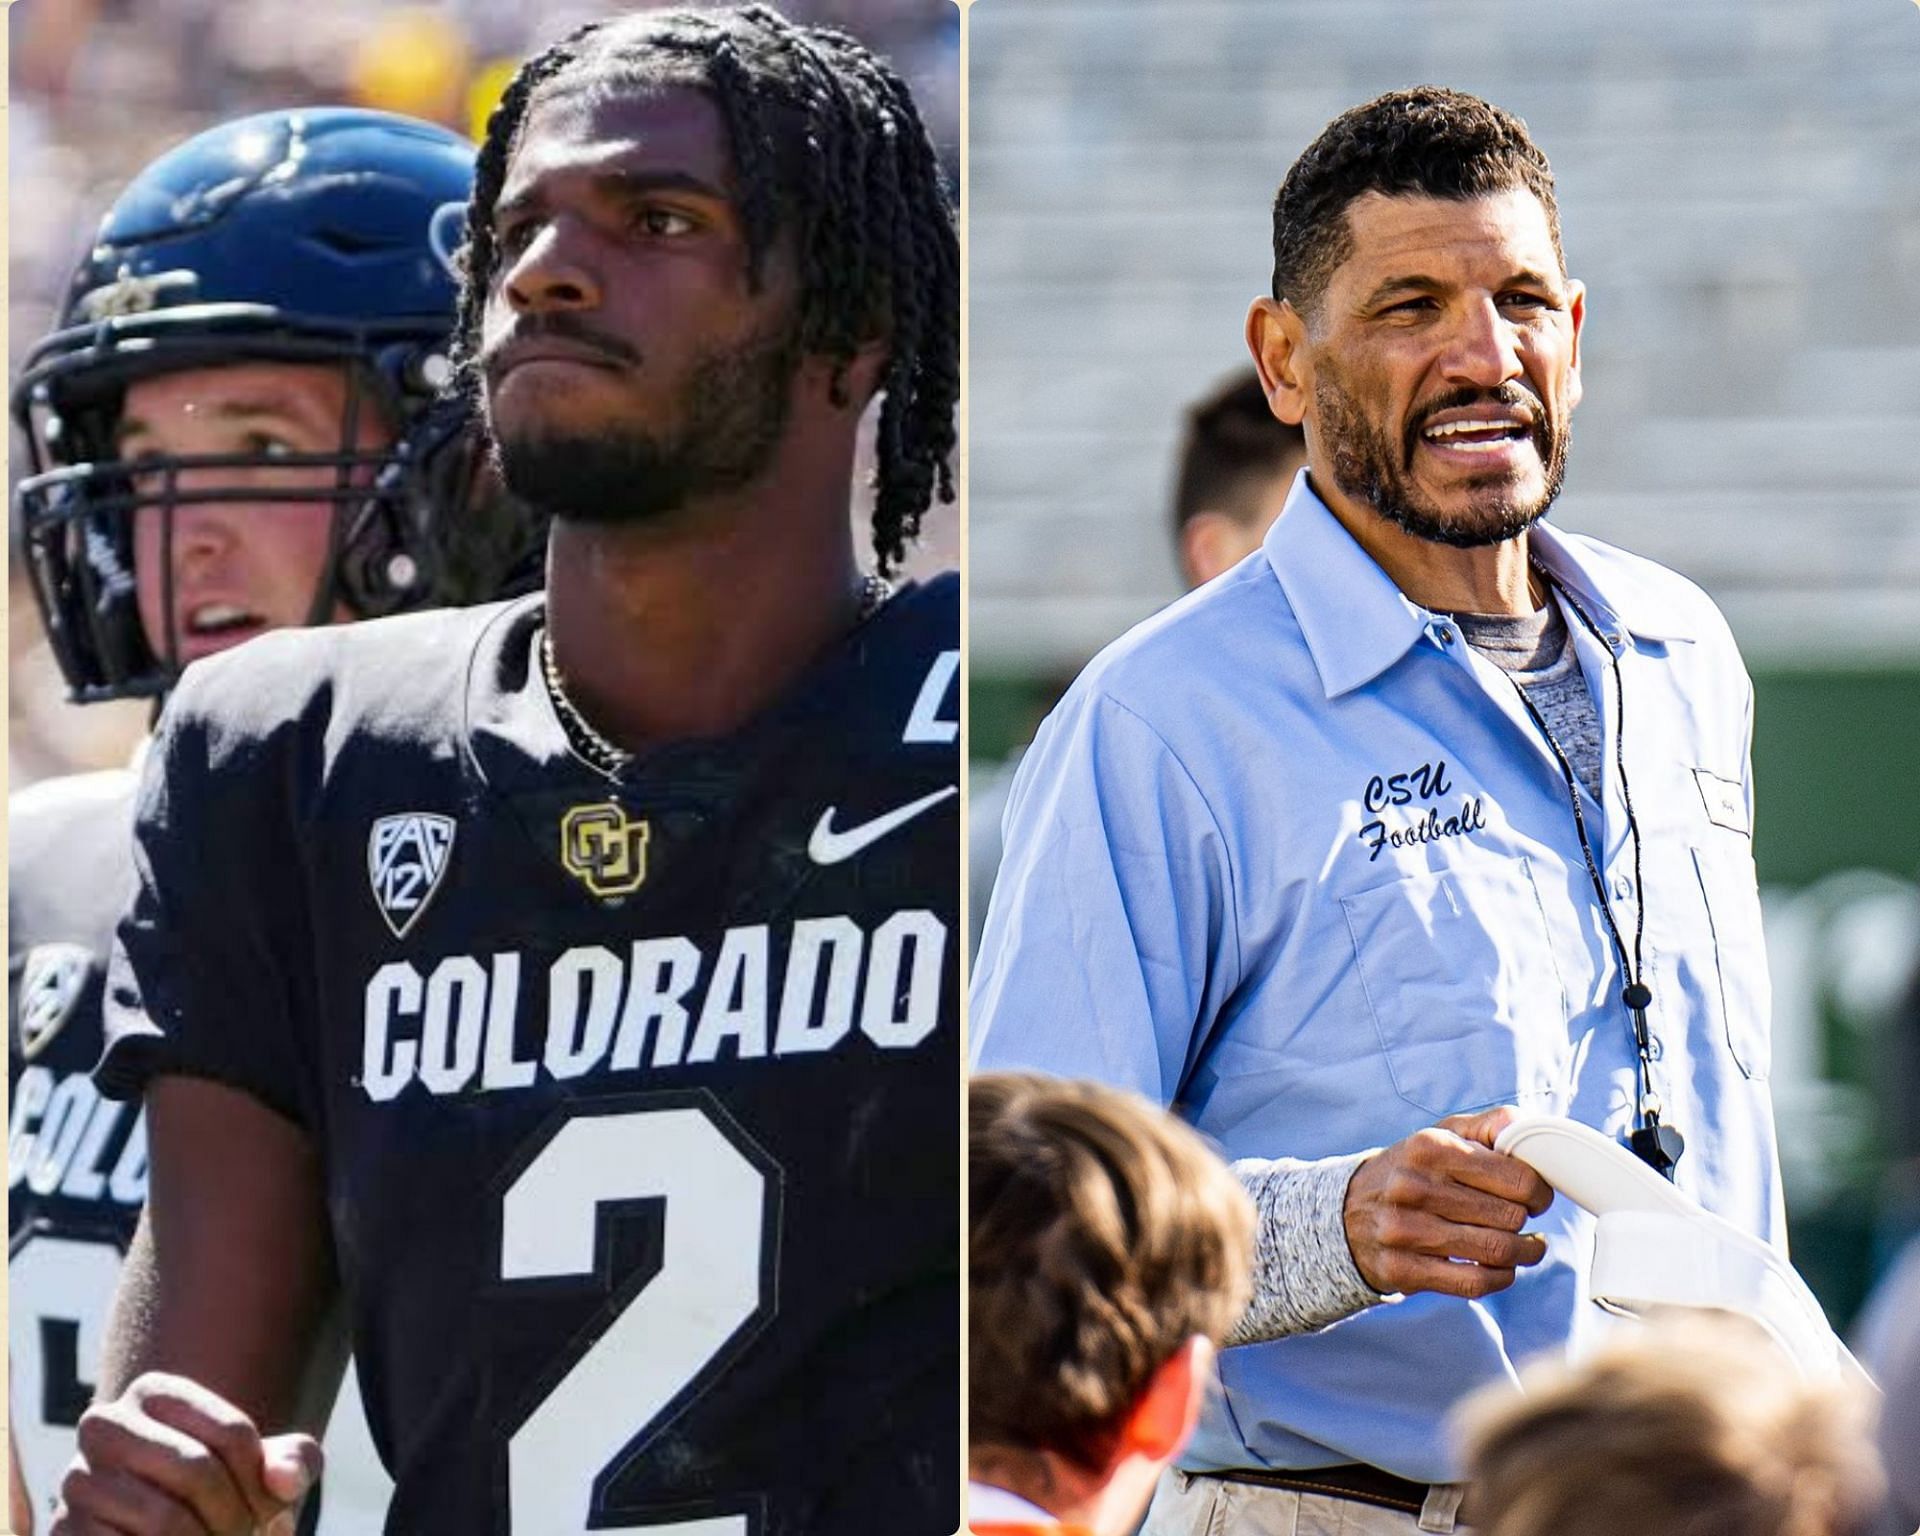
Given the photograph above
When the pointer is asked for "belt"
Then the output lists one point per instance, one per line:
(1352, 1480)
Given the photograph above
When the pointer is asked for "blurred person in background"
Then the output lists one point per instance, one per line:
(1108, 1254)
(233, 428)
(1699, 1428)
(1237, 463)
(50, 39)
(1433, 813)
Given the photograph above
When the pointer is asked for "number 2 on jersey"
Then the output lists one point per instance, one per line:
(708, 1288)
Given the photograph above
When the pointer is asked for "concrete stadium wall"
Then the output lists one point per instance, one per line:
(1740, 189)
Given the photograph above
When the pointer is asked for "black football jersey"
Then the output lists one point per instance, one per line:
(637, 1094)
(76, 1162)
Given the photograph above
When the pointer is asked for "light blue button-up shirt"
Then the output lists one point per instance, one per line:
(1294, 858)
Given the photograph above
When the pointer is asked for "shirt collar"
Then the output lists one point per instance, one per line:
(1357, 623)
(1612, 604)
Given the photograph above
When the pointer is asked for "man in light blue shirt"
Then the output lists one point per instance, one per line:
(1423, 813)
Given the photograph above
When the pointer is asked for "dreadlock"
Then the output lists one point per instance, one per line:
(827, 145)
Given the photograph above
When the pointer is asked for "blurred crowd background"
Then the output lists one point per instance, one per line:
(101, 87)
(1739, 186)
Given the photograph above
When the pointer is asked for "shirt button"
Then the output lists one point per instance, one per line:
(1654, 1052)
(1623, 888)
(1445, 634)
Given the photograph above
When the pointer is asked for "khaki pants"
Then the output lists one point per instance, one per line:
(1187, 1505)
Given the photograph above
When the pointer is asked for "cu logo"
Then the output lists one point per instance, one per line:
(604, 849)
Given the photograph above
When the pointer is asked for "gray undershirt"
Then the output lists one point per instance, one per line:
(1304, 1276)
(1537, 653)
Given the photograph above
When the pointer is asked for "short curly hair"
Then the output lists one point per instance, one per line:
(1426, 141)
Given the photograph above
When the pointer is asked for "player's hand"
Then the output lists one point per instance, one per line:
(1442, 1211)
(169, 1458)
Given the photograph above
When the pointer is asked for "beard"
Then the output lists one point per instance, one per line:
(1368, 466)
(733, 410)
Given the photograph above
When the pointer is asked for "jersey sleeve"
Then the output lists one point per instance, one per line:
(205, 979)
(1110, 941)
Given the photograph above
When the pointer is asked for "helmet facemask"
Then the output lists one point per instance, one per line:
(83, 502)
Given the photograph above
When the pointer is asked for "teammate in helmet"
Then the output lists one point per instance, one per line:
(262, 323)
(580, 1006)
(233, 427)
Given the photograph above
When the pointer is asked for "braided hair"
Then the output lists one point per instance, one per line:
(828, 146)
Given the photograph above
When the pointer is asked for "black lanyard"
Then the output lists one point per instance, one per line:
(1657, 1145)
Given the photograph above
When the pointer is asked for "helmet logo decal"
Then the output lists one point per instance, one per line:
(406, 856)
(131, 294)
(446, 231)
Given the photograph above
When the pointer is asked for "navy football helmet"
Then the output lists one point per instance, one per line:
(320, 235)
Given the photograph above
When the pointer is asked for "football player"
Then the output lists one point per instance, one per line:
(233, 427)
(569, 985)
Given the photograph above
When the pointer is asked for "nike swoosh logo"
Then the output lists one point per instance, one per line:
(827, 846)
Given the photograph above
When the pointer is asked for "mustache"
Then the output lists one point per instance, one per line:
(560, 326)
(1509, 394)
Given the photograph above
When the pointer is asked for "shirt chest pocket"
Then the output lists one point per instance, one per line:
(1461, 982)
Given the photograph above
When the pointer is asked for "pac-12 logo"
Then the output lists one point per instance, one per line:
(406, 856)
(604, 848)
(51, 981)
